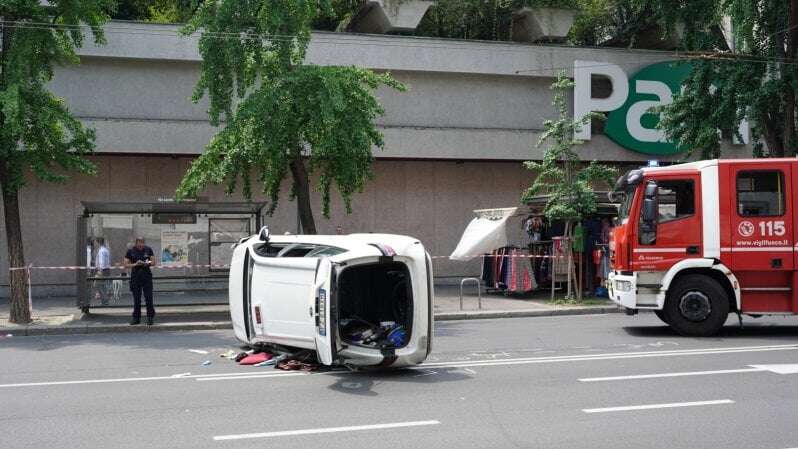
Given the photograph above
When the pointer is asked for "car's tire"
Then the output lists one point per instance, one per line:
(696, 306)
(661, 315)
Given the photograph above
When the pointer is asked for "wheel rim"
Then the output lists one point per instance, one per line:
(695, 306)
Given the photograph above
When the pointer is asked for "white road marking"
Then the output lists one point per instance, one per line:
(286, 433)
(454, 364)
(790, 368)
(136, 379)
(656, 406)
(655, 376)
(251, 376)
(611, 356)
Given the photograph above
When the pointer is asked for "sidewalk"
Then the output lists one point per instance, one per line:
(58, 316)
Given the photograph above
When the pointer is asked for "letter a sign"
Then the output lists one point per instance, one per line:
(632, 120)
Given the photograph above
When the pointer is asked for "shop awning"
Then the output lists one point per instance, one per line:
(485, 233)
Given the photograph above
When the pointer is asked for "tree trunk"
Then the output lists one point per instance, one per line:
(772, 138)
(20, 307)
(789, 92)
(302, 189)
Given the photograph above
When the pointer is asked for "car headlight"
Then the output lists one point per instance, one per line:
(623, 286)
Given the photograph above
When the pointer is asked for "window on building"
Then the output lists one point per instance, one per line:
(676, 200)
(760, 193)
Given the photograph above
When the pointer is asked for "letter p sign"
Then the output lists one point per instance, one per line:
(584, 102)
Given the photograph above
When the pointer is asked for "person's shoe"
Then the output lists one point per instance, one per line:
(135, 322)
(150, 321)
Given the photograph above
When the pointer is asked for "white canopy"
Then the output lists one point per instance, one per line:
(484, 234)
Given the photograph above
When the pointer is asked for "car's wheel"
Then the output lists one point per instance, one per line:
(661, 315)
(696, 306)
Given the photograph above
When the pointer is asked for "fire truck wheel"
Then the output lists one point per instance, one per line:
(661, 315)
(696, 306)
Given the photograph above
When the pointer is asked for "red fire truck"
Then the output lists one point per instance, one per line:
(698, 241)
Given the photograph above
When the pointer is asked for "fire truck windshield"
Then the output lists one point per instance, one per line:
(624, 197)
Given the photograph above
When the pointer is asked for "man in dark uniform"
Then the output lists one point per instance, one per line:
(139, 259)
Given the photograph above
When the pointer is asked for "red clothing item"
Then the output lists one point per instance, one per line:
(255, 358)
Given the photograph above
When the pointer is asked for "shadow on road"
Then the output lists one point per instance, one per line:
(363, 383)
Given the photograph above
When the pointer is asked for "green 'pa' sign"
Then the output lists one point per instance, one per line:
(634, 125)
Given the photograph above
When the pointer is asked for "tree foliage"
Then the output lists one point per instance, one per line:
(479, 19)
(37, 131)
(751, 72)
(561, 175)
(278, 110)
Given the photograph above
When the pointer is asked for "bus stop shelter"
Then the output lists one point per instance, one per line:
(192, 241)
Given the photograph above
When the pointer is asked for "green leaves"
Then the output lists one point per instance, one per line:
(749, 79)
(276, 109)
(560, 175)
(37, 132)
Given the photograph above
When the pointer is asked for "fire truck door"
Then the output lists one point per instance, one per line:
(763, 236)
(678, 233)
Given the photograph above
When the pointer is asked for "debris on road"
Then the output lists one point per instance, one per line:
(206, 363)
(230, 355)
(198, 351)
(273, 361)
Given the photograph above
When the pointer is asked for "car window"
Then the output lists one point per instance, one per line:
(268, 249)
(676, 200)
(326, 251)
(760, 193)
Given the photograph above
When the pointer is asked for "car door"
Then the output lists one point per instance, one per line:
(762, 235)
(281, 289)
(324, 311)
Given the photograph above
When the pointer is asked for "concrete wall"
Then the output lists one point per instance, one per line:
(431, 200)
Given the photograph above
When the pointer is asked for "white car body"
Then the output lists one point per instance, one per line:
(291, 291)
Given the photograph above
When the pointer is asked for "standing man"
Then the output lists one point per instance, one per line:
(139, 259)
(103, 270)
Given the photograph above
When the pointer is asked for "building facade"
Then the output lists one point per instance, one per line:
(454, 142)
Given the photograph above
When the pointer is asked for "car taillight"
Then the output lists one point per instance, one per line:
(321, 306)
(257, 314)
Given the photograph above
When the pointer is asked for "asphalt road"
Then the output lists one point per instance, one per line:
(526, 382)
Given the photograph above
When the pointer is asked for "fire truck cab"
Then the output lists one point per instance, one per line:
(697, 241)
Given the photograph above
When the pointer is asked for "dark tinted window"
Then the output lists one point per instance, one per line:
(760, 193)
(676, 200)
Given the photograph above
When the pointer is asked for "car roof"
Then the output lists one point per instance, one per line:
(350, 242)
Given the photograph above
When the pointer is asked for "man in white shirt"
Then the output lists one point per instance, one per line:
(103, 270)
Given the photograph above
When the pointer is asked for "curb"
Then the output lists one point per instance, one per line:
(71, 329)
(479, 315)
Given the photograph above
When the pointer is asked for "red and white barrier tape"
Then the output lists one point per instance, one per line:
(118, 267)
(182, 266)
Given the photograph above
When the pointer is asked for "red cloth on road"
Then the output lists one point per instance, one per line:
(255, 358)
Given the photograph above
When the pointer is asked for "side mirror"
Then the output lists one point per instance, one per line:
(649, 214)
(264, 234)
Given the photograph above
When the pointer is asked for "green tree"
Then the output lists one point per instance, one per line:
(156, 11)
(752, 72)
(37, 132)
(281, 115)
(561, 175)
(479, 19)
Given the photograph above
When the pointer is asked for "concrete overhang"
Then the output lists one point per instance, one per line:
(389, 16)
(542, 24)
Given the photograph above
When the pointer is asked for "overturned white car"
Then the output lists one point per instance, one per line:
(360, 299)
